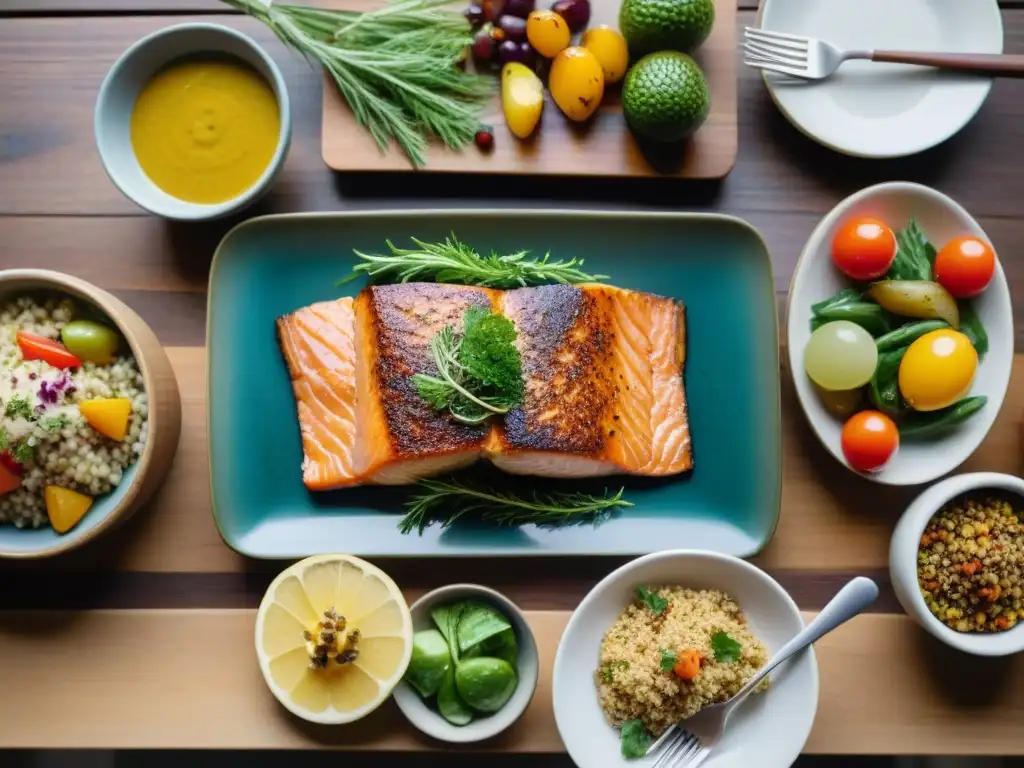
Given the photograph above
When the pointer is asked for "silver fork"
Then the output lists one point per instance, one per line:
(690, 746)
(809, 58)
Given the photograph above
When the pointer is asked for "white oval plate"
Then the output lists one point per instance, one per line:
(885, 110)
(768, 731)
(816, 278)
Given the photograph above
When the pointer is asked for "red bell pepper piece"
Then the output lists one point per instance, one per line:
(8, 480)
(35, 347)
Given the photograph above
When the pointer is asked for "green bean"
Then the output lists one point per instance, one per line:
(867, 315)
(845, 296)
(931, 424)
(905, 335)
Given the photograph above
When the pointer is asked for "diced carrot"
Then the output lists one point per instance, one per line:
(1001, 622)
(8, 480)
(65, 507)
(688, 666)
(108, 416)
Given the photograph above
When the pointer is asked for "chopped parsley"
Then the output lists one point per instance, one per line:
(634, 739)
(725, 648)
(669, 660)
(4, 440)
(608, 670)
(23, 453)
(652, 600)
(53, 423)
(18, 406)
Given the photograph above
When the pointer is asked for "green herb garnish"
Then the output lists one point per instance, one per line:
(23, 453)
(54, 423)
(971, 327)
(915, 255)
(455, 262)
(446, 501)
(652, 600)
(724, 647)
(668, 660)
(479, 374)
(4, 439)
(398, 67)
(18, 407)
(634, 739)
(608, 670)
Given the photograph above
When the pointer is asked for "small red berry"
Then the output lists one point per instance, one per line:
(484, 138)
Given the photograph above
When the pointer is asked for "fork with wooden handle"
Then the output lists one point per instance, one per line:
(809, 58)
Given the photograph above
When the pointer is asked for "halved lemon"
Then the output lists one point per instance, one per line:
(333, 638)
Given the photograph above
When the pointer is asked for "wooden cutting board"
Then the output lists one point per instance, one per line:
(602, 147)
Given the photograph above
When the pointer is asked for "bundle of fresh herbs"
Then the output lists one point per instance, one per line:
(397, 67)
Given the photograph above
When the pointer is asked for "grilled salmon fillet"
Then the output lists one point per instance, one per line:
(603, 376)
(603, 384)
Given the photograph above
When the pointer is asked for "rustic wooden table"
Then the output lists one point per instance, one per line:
(144, 640)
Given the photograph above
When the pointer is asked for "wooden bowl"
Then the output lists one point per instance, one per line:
(142, 479)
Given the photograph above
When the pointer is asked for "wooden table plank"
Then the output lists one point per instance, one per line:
(50, 69)
(886, 688)
(822, 503)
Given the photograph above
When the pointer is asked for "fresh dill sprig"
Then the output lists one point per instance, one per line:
(479, 371)
(397, 67)
(446, 501)
(456, 262)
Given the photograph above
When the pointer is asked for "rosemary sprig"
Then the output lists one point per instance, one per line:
(456, 262)
(397, 67)
(446, 501)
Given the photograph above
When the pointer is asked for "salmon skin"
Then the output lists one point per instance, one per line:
(602, 373)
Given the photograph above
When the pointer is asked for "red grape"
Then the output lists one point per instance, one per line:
(520, 8)
(510, 50)
(483, 46)
(493, 9)
(575, 12)
(474, 15)
(513, 26)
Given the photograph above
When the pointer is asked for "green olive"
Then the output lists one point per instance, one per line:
(90, 342)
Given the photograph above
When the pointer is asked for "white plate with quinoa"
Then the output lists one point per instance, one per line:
(732, 613)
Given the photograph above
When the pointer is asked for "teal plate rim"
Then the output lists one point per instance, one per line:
(748, 548)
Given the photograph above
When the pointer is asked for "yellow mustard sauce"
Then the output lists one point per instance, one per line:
(204, 130)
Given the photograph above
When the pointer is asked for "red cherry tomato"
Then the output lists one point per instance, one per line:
(35, 347)
(965, 266)
(864, 248)
(870, 439)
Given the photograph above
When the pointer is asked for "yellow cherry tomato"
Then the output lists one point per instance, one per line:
(937, 370)
(610, 49)
(522, 98)
(548, 33)
(576, 82)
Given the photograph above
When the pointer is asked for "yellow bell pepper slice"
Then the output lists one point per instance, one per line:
(65, 508)
(108, 416)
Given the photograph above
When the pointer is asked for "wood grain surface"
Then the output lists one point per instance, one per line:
(886, 688)
(166, 583)
(603, 146)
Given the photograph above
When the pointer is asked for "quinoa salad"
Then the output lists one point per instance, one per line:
(73, 412)
(672, 652)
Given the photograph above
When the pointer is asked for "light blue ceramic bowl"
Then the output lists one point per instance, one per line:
(120, 89)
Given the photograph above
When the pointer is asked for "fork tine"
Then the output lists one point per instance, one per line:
(672, 749)
(773, 35)
(781, 57)
(774, 42)
(778, 68)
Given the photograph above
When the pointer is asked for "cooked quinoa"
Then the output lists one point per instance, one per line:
(67, 452)
(970, 565)
(630, 678)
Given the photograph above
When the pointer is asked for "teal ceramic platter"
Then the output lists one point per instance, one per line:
(718, 266)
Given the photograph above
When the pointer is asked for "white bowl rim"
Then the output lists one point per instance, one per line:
(814, 243)
(200, 211)
(504, 717)
(672, 554)
(919, 512)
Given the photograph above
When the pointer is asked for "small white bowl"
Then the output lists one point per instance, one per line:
(903, 548)
(121, 87)
(817, 278)
(768, 731)
(425, 717)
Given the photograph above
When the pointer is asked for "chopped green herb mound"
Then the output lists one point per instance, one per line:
(23, 453)
(18, 407)
(725, 648)
(634, 739)
(669, 659)
(652, 600)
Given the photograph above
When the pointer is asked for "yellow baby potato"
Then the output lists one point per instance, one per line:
(522, 98)
(576, 83)
(548, 33)
(610, 49)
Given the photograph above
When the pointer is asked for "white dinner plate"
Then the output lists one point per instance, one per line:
(868, 109)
